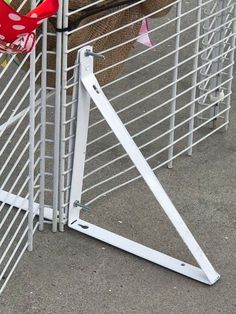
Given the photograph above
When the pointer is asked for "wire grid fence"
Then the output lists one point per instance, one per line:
(23, 146)
(170, 96)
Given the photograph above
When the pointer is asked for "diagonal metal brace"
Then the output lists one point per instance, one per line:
(90, 87)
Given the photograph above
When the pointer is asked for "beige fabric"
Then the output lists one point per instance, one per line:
(90, 33)
(154, 5)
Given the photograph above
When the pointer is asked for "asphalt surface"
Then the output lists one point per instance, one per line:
(72, 273)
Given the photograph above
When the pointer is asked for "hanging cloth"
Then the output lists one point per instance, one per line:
(97, 27)
(17, 30)
(144, 34)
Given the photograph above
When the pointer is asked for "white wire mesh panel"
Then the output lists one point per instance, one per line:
(171, 95)
(22, 125)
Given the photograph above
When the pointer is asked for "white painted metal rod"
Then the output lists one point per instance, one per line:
(156, 108)
(96, 93)
(124, 26)
(104, 18)
(188, 28)
(156, 153)
(155, 168)
(156, 138)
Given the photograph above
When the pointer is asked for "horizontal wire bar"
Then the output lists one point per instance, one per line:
(17, 107)
(14, 118)
(104, 17)
(189, 73)
(156, 108)
(163, 149)
(14, 150)
(17, 213)
(69, 120)
(150, 126)
(159, 60)
(161, 165)
(12, 238)
(15, 147)
(12, 206)
(130, 24)
(10, 173)
(9, 84)
(22, 170)
(68, 155)
(107, 34)
(17, 72)
(161, 26)
(87, 6)
(12, 256)
(158, 76)
(16, 182)
(160, 43)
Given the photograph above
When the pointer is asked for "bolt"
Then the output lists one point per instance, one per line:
(93, 54)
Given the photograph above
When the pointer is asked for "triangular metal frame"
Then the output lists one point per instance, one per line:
(89, 88)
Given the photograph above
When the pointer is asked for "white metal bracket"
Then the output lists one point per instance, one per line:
(90, 88)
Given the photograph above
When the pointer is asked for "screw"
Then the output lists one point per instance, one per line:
(93, 54)
(83, 207)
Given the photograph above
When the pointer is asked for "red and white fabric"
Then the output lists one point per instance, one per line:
(17, 30)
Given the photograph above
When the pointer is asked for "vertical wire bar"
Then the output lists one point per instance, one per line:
(31, 145)
(175, 78)
(194, 77)
(220, 50)
(204, 57)
(231, 60)
(43, 126)
(215, 53)
(63, 116)
(71, 132)
(56, 157)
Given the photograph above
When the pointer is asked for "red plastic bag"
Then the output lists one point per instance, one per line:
(17, 30)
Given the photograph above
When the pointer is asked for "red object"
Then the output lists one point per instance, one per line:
(17, 30)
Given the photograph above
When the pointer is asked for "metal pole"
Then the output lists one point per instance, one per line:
(57, 121)
(231, 60)
(175, 78)
(194, 77)
(63, 116)
(43, 126)
(31, 146)
(217, 51)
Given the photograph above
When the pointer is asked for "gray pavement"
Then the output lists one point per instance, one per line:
(72, 273)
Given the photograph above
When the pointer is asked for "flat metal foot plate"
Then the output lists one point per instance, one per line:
(140, 250)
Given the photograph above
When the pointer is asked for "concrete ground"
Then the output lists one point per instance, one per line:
(72, 273)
